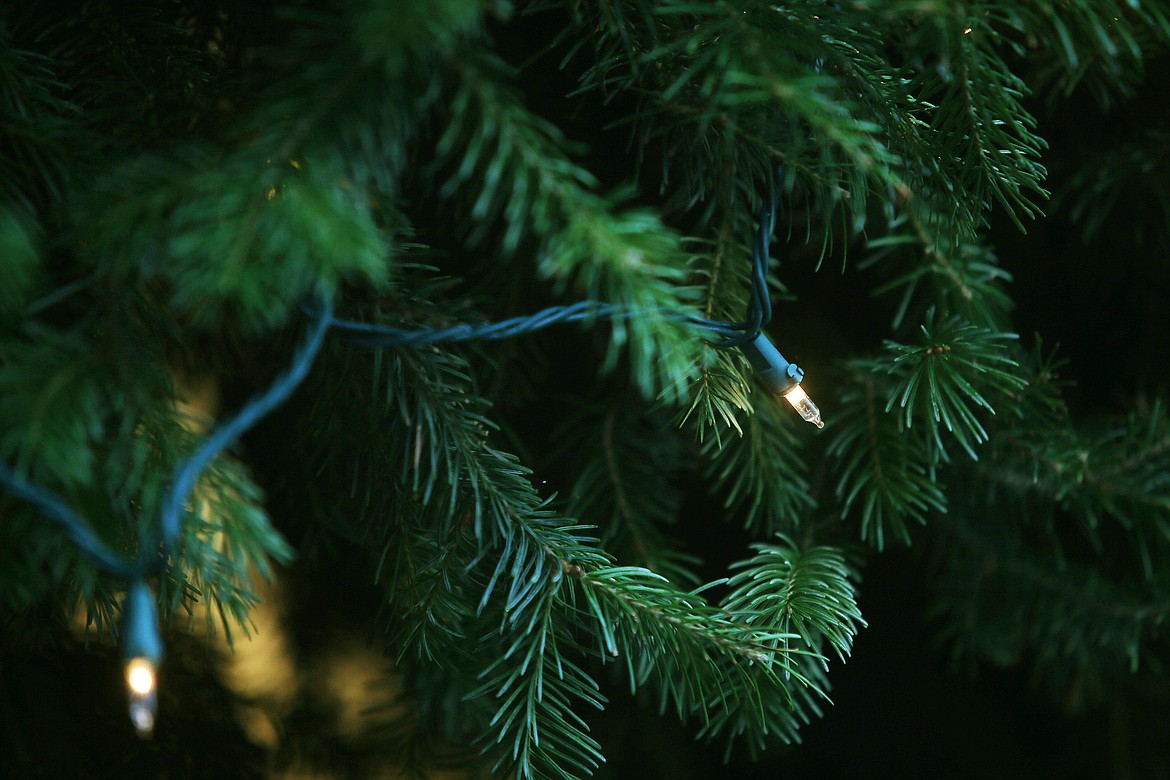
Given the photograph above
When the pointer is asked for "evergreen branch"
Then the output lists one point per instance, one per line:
(808, 591)
(1036, 451)
(421, 569)
(422, 538)
(526, 689)
(719, 393)
(978, 114)
(632, 261)
(20, 240)
(348, 96)
(710, 663)
(1100, 188)
(236, 237)
(814, 86)
(225, 541)
(388, 32)
(1135, 453)
(632, 609)
(881, 469)
(60, 397)
(524, 178)
(36, 560)
(36, 126)
(514, 159)
(1041, 402)
(526, 685)
(139, 79)
(431, 435)
(224, 572)
(1119, 474)
(1078, 626)
(728, 277)
(628, 465)
(940, 380)
(681, 619)
(747, 82)
(718, 396)
(446, 427)
(985, 98)
(53, 401)
(762, 471)
(1100, 45)
(534, 688)
(482, 559)
(929, 269)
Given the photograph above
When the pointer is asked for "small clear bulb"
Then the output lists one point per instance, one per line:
(141, 685)
(804, 405)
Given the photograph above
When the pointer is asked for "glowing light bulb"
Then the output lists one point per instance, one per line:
(804, 405)
(142, 652)
(780, 376)
(141, 685)
(140, 676)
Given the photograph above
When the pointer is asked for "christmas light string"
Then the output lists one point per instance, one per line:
(252, 412)
(368, 334)
(141, 643)
(54, 508)
(778, 375)
(735, 334)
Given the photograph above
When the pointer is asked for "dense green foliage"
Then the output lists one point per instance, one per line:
(176, 179)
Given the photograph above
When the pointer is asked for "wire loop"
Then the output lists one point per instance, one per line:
(733, 334)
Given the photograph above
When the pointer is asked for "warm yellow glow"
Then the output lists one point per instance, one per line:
(140, 676)
(141, 682)
(804, 405)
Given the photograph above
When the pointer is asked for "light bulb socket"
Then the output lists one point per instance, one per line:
(139, 626)
(777, 374)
